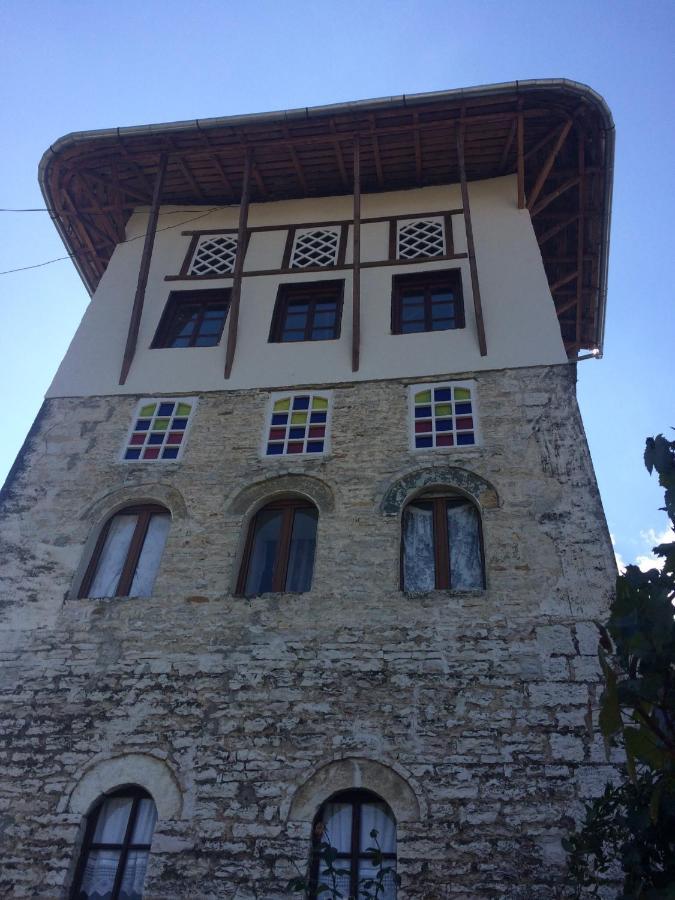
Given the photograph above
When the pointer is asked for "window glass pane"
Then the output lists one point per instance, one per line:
(211, 325)
(113, 817)
(98, 878)
(337, 821)
(442, 324)
(134, 875)
(322, 334)
(409, 327)
(145, 822)
(466, 569)
(443, 310)
(151, 555)
(324, 318)
(113, 556)
(377, 816)
(301, 554)
(263, 554)
(295, 320)
(412, 313)
(418, 547)
(207, 340)
(292, 336)
(368, 870)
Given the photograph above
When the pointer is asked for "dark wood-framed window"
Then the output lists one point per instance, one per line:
(116, 846)
(441, 544)
(128, 552)
(279, 551)
(307, 311)
(345, 822)
(427, 301)
(193, 319)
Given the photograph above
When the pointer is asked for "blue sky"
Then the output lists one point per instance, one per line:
(71, 66)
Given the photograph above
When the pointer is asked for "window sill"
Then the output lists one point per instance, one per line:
(444, 592)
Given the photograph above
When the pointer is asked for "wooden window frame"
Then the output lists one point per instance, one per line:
(206, 298)
(135, 794)
(441, 541)
(357, 798)
(195, 237)
(288, 506)
(426, 281)
(447, 229)
(306, 292)
(145, 512)
(342, 228)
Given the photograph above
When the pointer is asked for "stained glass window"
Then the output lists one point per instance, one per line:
(298, 424)
(444, 415)
(159, 429)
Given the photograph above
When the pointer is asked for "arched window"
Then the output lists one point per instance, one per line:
(126, 558)
(346, 823)
(441, 545)
(116, 847)
(279, 552)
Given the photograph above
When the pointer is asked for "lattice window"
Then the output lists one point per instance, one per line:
(159, 429)
(444, 415)
(315, 247)
(214, 255)
(421, 237)
(298, 424)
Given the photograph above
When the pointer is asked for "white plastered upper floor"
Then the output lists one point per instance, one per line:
(520, 322)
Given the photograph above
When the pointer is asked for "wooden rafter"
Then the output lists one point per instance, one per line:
(376, 152)
(418, 148)
(238, 264)
(548, 164)
(564, 280)
(338, 154)
(546, 236)
(296, 163)
(549, 198)
(508, 144)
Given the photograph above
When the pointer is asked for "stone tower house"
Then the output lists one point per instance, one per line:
(307, 531)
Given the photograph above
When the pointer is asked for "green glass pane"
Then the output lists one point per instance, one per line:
(462, 394)
(423, 397)
(148, 410)
(319, 403)
(161, 424)
(299, 418)
(280, 405)
(443, 409)
(183, 409)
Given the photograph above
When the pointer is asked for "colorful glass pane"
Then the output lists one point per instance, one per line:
(132, 454)
(298, 418)
(442, 417)
(423, 412)
(159, 433)
(183, 409)
(143, 424)
(463, 409)
(442, 394)
(462, 394)
(318, 417)
(301, 403)
(170, 453)
(148, 409)
(275, 449)
(281, 405)
(151, 453)
(467, 438)
(319, 403)
(166, 409)
(423, 397)
(315, 447)
(295, 447)
(443, 409)
(279, 419)
(161, 424)
(290, 431)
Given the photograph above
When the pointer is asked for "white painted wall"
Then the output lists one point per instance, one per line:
(520, 321)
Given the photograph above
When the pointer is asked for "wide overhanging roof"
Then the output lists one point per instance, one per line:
(558, 134)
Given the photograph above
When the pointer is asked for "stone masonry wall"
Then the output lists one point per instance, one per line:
(481, 702)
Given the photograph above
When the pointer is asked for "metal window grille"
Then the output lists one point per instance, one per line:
(315, 247)
(214, 255)
(421, 237)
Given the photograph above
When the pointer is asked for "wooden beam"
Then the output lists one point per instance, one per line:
(509, 143)
(376, 152)
(548, 165)
(556, 229)
(418, 148)
(143, 272)
(564, 280)
(475, 288)
(560, 310)
(238, 264)
(142, 199)
(520, 164)
(296, 162)
(549, 198)
(356, 271)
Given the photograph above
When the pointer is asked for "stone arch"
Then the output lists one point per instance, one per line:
(356, 772)
(250, 498)
(108, 774)
(108, 504)
(407, 486)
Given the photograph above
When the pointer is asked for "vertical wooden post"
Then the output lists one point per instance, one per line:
(356, 273)
(143, 272)
(520, 152)
(238, 264)
(580, 236)
(475, 289)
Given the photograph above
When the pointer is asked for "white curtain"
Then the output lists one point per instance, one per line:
(376, 816)
(113, 556)
(134, 875)
(99, 875)
(146, 817)
(263, 554)
(337, 821)
(150, 556)
(112, 821)
(301, 552)
(418, 548)
(464, 538)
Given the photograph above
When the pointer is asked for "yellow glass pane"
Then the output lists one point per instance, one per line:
(281, 405)
(319, 403)
(183, 409)
(423, 397)
(462, 394)
(148, 409)
(443, 409)
(298, 418)
(160, 424)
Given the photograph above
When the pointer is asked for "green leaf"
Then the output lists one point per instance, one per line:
(610, 712)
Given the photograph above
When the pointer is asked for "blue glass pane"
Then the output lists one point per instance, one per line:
(465, 439)
(275, 449)
(297, 433)
(170, 453)
(444, 425)
(288, 336)
(423, 441)
(279, 418)
(315, 446)
(442, 394)
(411, 327)
(462, 409)
(316, 418)
(142, 424)
(165, 409)
(132, 454)
(422, 412)
(156, 438)
(301, 403)
(179, 424)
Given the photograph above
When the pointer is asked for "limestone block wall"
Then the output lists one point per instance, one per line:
(469, 712)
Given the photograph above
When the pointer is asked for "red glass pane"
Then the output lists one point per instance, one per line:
(151, 453)
(277, 434)
(444, 440)
(317, 431)
(463, 424)
(175, 437)
(295, 447)
(137, 438)
(422, 426)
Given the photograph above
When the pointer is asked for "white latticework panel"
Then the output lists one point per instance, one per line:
(214, 255)
(315, 247)
(421, 237)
